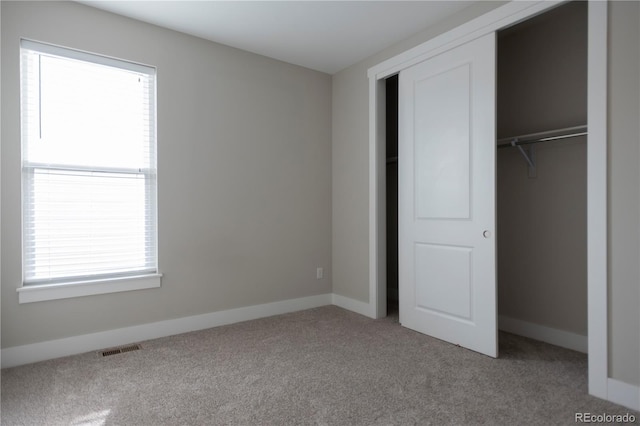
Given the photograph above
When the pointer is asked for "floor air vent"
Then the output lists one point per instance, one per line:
(120, 350)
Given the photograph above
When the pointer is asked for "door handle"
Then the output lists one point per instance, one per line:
(486, 234)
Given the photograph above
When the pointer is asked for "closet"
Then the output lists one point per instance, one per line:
(541, 174)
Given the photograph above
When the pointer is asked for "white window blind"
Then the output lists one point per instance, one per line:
(88, 166)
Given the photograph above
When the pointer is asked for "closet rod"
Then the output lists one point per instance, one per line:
(550, 135)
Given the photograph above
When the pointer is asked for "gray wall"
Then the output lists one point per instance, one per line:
(542, 222)
(351, 185)
(244, 152)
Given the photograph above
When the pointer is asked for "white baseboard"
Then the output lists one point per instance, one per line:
(623, 393)
(353, 305)
(618, 392)
(565, 339)
(28, 354)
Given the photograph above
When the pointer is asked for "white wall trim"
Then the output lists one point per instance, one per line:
(349, 304)
(624, 394)
(377, 200)
(502, 17)
(35, 352)
(39, 293)
(565, 339)
(509, 14)
(597, 203)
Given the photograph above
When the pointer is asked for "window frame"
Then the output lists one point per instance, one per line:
(85, 286)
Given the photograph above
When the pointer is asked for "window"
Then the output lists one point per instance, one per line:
(88, 169)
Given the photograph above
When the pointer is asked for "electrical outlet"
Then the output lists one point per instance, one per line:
(319, 273)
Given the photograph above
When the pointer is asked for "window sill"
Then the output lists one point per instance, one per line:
(39, 293)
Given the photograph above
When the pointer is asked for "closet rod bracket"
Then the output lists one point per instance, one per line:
(529, 155)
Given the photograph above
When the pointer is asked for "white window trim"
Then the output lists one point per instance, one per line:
(87, 287)
(94, 58)
(66, 290)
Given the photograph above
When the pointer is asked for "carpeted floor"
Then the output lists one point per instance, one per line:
(322, 366)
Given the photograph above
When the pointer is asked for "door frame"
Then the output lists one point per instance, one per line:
(497, 19)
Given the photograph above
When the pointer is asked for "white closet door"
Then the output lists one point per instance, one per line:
(447, 215)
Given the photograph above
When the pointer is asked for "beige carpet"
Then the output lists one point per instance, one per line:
(323, 366)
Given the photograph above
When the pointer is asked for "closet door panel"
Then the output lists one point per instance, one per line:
(442, 145)
(447, 278)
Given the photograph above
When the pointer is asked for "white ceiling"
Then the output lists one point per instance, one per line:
(326, 36)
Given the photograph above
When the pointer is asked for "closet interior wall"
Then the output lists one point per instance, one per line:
(542, 221)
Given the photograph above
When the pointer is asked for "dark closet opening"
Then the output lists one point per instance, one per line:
(392, 193)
